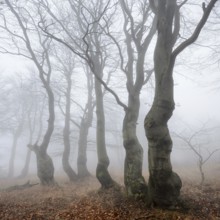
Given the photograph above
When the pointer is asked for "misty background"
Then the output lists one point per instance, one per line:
(196, 115)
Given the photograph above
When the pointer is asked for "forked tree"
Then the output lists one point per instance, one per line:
(138, 32)
(40, 56)
(85, 124)
(66, 66)
(164, 184)
(195, 142)
(88, 45)
(35, 112)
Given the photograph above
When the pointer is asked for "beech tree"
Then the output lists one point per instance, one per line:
(26, 27)
(66, 66)
(164, 184)
(88, 45)
(138, 33)
(85, 124)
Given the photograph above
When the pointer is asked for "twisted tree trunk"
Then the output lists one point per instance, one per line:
(164, 185)
(45, 168)
(135, 184)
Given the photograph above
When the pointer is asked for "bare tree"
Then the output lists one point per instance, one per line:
(139, 30)
(164, 184)
(195, 143)
(87, 45)
(40, 56)
(66, 66)
(35, 113)
(85, 124)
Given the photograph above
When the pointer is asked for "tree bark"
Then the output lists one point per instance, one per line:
(164, 185)
(102, 173)
(45, 167)
(97, 62)
(137, 41)
(66, 133)
(134, 182)
(82, 147)
(84, 129)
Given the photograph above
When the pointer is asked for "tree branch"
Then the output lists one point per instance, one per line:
(196, 32)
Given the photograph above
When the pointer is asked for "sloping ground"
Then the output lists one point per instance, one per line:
(83, 200)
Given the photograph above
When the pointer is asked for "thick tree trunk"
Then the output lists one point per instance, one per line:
(66, 133)
(137, 43)
(45, 168)
(164, 185)
(102, 173)
(134, 181)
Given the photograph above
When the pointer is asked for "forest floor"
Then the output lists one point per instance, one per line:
(84, 200)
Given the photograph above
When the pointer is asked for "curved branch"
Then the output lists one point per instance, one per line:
(197, 31)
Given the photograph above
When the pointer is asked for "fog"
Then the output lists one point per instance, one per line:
(196, 92)
(197, 105)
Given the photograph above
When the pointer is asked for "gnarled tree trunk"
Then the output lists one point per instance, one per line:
(134, 181)
(45, 168)
(164, 185)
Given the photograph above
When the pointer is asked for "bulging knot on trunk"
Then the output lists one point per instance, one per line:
(137, 189)
(45, 168)
(164, 188)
